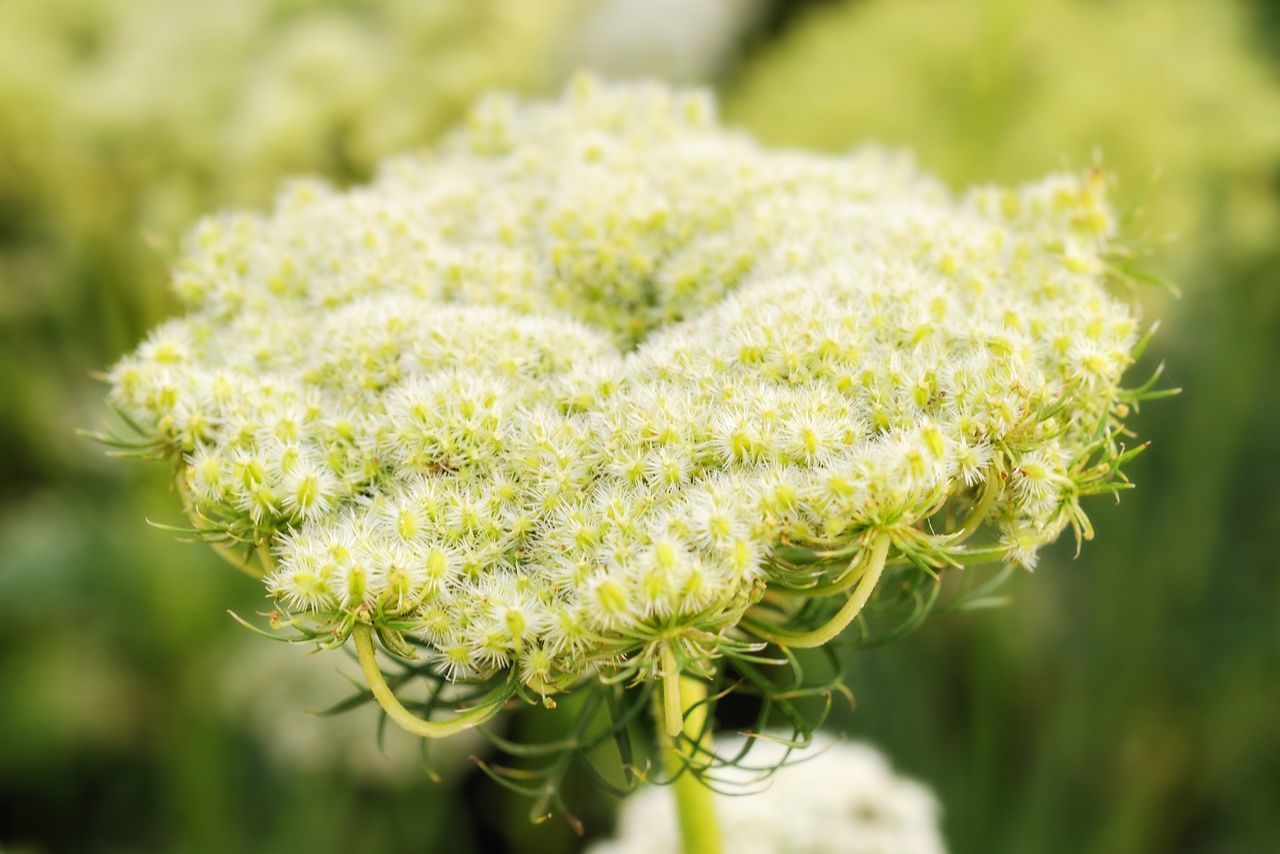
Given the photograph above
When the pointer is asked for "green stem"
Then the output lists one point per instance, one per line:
(223, 550)
(978, 514)
(672, 705)
(846, 615)
(405, 719)
(846, 580)
(695, 803)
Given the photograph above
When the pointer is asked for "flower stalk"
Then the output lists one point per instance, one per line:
(847, 613)
(695, 802)
(390, 703)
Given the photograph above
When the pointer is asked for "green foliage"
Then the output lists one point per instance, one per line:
(1171, 95)
(1123, 705)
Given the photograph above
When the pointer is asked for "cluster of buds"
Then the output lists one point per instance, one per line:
(600, 387)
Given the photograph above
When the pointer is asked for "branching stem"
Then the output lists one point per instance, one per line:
(847, 613)
(978, 515)
(224, 551)
(405, 719)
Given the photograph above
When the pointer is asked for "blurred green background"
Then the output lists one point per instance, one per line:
(1129, 701)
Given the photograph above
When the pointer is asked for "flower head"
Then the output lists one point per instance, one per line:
(580, 383)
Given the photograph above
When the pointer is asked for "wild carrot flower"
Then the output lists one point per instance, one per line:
(600, 388)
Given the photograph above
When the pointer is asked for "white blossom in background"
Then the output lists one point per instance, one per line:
(678, 40)
(837, 797)
(216, 101)
(549, 399)
(122, 121)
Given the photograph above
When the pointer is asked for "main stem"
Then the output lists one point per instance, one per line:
(695, 803)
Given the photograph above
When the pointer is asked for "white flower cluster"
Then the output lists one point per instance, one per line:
(842, 799)
(555, 393)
